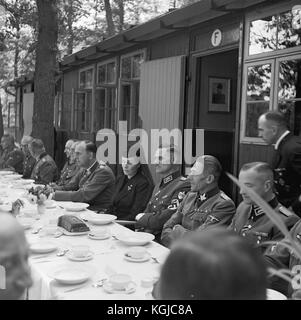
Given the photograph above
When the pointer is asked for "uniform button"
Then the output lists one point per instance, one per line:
(157, 198)
(155, 207)
(243, 234)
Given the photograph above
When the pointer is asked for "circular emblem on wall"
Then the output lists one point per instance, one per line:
(216, 37)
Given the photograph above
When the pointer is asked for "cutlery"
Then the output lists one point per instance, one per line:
(99, 283)
(155, 260)
(37, 230)
(62, 252)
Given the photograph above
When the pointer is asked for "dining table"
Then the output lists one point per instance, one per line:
(108, 256)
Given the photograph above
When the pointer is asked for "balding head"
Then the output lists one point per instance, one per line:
(13, 257)
(26, 140)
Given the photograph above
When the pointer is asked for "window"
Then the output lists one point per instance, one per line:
(105, 96)
(83, 104)
(86, 78)
(129, 88)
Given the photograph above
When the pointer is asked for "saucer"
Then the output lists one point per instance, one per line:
(107, 286)
(144, 259)
(89, 256)
(106, 236)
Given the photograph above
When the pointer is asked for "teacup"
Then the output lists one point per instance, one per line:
(50, 230)
(120, 281)
(102, 232)
(80, 251)
(137, 252)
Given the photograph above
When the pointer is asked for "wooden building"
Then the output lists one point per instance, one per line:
(215, 65)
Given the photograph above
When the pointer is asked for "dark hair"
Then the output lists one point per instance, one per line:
(277, 117)
(212, 166)
(213, 264)
(37, 144)
(90, 146)
(262, 168)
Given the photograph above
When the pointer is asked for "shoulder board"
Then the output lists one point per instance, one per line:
(102, 163)
(285, 211)
(224, 196)
(183, 178)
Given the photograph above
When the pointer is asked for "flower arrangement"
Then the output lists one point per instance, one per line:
(38, 195)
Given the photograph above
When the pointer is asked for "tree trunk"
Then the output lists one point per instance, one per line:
(109, 18)
(120, 4)
(44, 82)
(70, 27)
(1, 122)
(17, 53)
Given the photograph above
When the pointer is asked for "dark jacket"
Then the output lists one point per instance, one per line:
(12, 158)
(131, 196)
(68, 172)
(45, 170)
(28, 165)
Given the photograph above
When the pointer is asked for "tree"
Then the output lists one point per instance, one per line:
(45, 69)
(109, 18)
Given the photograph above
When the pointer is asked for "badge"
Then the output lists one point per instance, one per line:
(130, 187)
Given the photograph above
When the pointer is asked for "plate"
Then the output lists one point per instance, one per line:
(6, 172)
(50, 204)
(144, 259)
(107, 286)
(98, 219)
(67, 233)
(43, 247)
(275, 295)
(71, 275)
(106, 236)
(15, 176)
(136, 239)
(89, 256)
(75, 206)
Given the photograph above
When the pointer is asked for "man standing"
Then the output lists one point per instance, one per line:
(96, 185)
(12, 157)
(250, 220)
(167, 194)
(14, 253)
(287, 158)
(45, 169)
(29, 160)
(204, 206)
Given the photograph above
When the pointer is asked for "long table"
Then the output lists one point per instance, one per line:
(108, 258)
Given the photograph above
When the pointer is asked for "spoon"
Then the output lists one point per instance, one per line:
(62, 252)
(37, 230)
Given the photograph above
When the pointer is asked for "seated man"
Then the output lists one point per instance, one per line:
(133, 190)
(282, 257)
(45, 169)
(250, 221)
(12, 157)
(96, 185)
(70, 169)
(167, 194)
(214, 264)
(29, 161)
(204, 206)
(14, 253)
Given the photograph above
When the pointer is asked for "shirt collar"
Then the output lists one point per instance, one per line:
(257, 211)
(207, 195)
(276, 146)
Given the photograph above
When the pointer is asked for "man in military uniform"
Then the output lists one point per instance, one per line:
(250, 220)
(286, 163)
(45, 169)
(29, 160)
(12, 157)
(204, 206)
(96, 183)
(167, 194)
(280, 256)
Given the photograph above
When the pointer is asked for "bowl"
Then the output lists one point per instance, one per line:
(101, 219)
(120, 281)
(136, 252)
(136, 238)
(75, 206)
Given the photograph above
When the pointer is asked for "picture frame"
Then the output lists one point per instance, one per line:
(219, 94)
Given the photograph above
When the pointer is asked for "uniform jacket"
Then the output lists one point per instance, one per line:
(45, 169)
(280, 257)
(95, 187)
(253, 224)
(131, 196)
(287, 169)
(166, 197)
(28, 165)
(67, 173)
(197, 212)
(12, 158)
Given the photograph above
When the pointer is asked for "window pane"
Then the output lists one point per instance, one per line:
(126, 68)
(111, 72)
(137, 61)
(259, 83)
(100, 101)
(102, 74)
(289, 79)
(263, 33)
(82, 79)
(89, 78)
(287, 36)
(254, 110)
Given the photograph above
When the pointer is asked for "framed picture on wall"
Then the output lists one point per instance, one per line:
(219, 94)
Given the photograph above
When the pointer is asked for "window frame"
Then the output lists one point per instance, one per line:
(106, 62)
(93, 79)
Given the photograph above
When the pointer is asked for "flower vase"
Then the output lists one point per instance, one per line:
(41, 208)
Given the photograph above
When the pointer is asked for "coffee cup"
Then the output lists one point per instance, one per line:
(102, 232)
(120, 281)
(137, 252)
(80, 251)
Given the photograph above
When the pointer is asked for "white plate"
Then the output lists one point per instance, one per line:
(89, 256)
(275, 295)
(107, 286)
(106, 236)
(67, 233)
(74, 206)
(50, 204)
(27, 181)
(43, 247)
(136, 239)
(6, 172)
(71, 275)
(14, 177)
(144, 259)
(98, 219)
